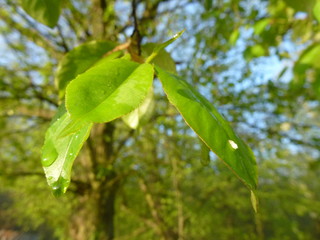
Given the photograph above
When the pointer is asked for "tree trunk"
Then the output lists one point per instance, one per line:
(106, 208)
(93, 219)
(106, 185)
(82, 221)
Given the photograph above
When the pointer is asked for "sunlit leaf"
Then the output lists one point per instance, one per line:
(211, 127)
(254, 201)
(316, 11)
(72, 126)
(260, 26)
(234, 37)
(254, 51)
(311, 56)
(44, 11)
(109, 90)
(79, 60)
(58, 154)
(161, 46)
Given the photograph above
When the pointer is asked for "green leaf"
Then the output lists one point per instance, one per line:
(254, 52)
(301, 6)
(211, 127)
(163, 59)
(141, 114)
(109, 90)
(72, 126)
(80, 59)
(161, 46)
(208, 4)
(260, 26)
(316, 11)
(254, 201)
(311, 56)
(58, 154)
(44, 11)
(234, 37)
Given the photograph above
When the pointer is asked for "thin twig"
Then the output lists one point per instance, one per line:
(136, 36)
(63, 44)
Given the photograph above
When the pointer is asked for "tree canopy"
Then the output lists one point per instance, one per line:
(128, 123)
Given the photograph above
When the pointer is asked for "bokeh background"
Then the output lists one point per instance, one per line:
(257, 61)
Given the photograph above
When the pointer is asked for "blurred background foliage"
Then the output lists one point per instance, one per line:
(257, 61)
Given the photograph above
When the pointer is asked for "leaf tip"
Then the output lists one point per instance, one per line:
(254, 201)
(60, 187)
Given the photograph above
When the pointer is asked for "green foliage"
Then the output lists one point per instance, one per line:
(108, 91)
(46, 12)
(114, 88)
(257, 60)
(211, 127)
(310, 57)
(161, 46)
(307, 69)
(234, 37)
(300, 6)
(260, 26)
(78, 60)
(316, 11)
(58, 153)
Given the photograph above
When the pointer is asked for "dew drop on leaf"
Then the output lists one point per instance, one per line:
(60, 187)
(49, 154)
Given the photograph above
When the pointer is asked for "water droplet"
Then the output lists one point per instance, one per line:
(60, 186)
(233, 144)
(70, 154)
(49, 153)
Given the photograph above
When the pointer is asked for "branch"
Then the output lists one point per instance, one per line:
(97, 18)
(38, 95)
(136, 36)
(134, 234)
(146, 221)
(118, 48)
(63, 44)
(32, 25)
(21, 174)
(178, 196)
(122, 144)
(12, 132)
(284, 135)
(155, 211)
(25, 111)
